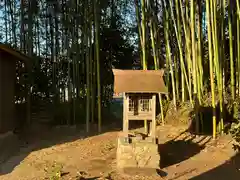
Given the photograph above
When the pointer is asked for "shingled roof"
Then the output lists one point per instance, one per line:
(139, 81)
(8, 49)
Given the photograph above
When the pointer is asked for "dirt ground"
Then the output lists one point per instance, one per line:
(66, 150)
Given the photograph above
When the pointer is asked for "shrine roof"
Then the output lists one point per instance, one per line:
(139, 81)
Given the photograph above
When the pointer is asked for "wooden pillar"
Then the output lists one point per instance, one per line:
(153, 116)
(125, 113)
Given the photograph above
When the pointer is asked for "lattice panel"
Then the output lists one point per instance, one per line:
(145, 104)
(139, 103)
(131, 104)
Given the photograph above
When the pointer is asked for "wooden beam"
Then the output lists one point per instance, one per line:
(125, 114)
(153, 116)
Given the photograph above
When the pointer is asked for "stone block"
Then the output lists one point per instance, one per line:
(123, 140)
(138, 155)
(136, 139)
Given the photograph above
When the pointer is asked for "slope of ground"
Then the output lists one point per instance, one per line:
(183, 156)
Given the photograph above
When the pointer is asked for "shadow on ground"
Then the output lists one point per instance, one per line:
(42, 136)
(229, 170)
(23, 146)
(177, 151)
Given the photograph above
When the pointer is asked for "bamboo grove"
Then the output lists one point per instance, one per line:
(201, 53)
(196, 42)
(63, 37)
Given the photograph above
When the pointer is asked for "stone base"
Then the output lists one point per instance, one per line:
(137, 154)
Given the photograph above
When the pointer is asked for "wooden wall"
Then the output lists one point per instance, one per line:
(7, 90)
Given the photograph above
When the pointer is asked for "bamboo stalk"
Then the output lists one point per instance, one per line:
(211, 69)
(153, 46)
(199, 64)
(199, 56)
(194, 64)
(186, 29)
(143, 26)
(238, 45)
(96, 17)
(156, 62)
(138, 21)
(223, 54)
(231, 50)
(177, 78)
(87, 67)
(217, 64)
(180, 49)
(143, 38)
(161, 108)
(168, 54)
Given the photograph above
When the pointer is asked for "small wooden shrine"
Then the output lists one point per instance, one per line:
(139, 88)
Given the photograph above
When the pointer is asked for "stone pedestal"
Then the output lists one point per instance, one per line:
(137, 154)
